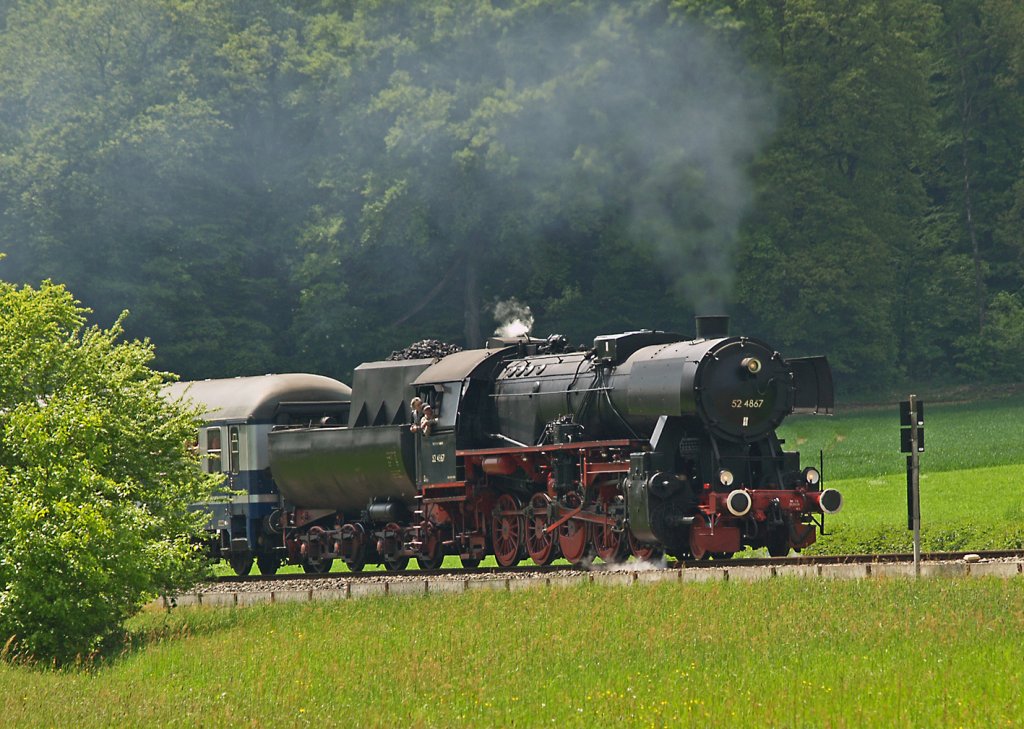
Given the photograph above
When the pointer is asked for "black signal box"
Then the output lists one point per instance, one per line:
(911, 422)
(905, 413)
(906, 445)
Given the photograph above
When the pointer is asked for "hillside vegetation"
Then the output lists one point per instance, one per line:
(307, 185)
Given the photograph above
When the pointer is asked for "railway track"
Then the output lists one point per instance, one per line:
(527, 571)
(242, 591)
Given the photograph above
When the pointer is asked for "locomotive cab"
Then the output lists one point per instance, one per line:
(457, 388)
(435, 461)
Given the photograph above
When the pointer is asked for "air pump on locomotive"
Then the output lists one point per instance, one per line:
(648, 442)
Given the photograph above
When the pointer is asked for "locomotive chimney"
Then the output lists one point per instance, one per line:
(713, 326)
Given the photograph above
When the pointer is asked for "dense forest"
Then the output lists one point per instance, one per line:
(275, 185)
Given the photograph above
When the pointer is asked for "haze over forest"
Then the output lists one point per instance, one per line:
(303, 185)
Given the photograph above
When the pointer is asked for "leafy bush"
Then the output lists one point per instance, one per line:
(96, 472)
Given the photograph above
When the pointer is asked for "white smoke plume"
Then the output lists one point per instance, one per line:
(633, 566)
(514, 318)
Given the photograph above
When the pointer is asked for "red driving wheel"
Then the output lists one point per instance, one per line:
(507, 528)
(540, 544)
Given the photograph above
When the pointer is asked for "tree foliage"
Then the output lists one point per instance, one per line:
(96, 473)
(307, 184)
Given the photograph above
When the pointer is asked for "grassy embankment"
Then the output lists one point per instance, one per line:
(794, 653)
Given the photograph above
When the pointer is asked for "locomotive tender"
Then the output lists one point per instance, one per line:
(648, 442)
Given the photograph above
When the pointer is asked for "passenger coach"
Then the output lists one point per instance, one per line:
(238, 414)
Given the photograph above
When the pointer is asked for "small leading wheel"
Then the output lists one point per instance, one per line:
(541, 545)
(470, 563)
(242, 565)
(317, 566)
(269, 564)
(507, 527)
(698, 549)
(608, 543)
(396, 564)
(644, 552)
(699, 553)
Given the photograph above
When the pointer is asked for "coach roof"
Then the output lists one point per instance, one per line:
(257, 398)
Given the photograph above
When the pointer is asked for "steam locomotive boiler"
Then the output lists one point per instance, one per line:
(647, 442)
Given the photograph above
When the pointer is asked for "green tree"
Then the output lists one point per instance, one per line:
(841, 195)
(96, 474)
(150, 160)
(979, 89)
(997, 352)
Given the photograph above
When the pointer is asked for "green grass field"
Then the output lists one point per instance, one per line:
(865, 442)
(784, 653)
(972, 476)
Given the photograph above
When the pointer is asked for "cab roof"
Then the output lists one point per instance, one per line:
(459, 366)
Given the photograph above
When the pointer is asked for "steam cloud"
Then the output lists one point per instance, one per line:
(675, 115)
(514, 318)
(634, 566)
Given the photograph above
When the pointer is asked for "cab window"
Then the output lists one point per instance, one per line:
(447, 404)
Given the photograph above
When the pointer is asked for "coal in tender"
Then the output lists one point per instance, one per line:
(424, 349)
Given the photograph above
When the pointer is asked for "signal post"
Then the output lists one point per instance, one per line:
(912, 442)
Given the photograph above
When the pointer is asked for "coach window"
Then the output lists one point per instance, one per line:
(212, 450)
(233, 453)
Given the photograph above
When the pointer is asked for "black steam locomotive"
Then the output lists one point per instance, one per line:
(646, 443)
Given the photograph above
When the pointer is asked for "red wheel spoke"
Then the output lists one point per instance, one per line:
(507, 530)
(608, 543)
(540, 545)
(574, 540)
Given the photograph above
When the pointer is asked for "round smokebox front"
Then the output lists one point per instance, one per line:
(743, 389)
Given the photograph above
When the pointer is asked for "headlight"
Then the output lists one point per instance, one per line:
(725, 477)
(812, 477)
(751, 365)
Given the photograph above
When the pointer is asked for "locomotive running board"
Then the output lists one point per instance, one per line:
(578, 445)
